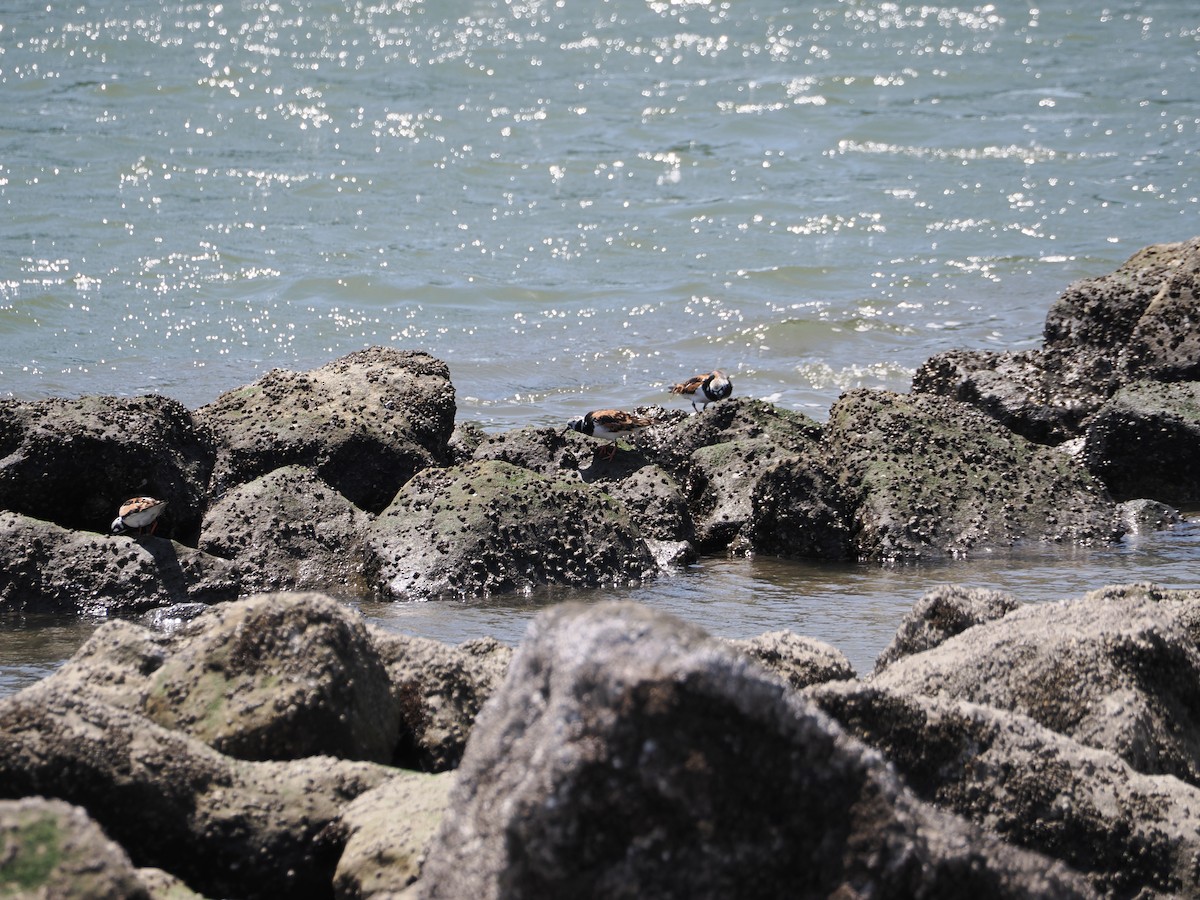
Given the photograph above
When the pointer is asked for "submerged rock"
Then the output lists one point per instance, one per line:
(629, 754)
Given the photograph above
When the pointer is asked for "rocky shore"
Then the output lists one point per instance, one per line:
(275, 745)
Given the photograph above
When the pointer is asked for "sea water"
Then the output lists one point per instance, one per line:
(575, 204)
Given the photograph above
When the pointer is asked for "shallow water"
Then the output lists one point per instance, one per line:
(854, 607)
(575, 204)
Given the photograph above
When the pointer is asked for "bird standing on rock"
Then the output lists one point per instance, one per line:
(609, 423)
(705, 389)
(138, 512)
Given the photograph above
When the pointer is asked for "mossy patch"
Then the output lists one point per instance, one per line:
(37, 854)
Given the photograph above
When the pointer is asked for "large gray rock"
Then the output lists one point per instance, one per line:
(387, 832)
(653, 498)
(1044, 395)
(800, 509)
(490, 527)
(51, 849)
(114, 665)
(440, 690)
(928, 477)
(290, 531)
(45, 567)
(1145, 440)
(289, 675)
(630, 755)
(1133, 835)
(228, 828)
(1099, 314)
(1137, 322)
(1164, 345)
(74, 462)
(366, 423)
(940, 614)
(800, 661)
(1118, 670)
(719, 457)
(280, 676)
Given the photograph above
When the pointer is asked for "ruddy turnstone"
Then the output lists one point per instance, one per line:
(705, 389)
(138, 512)
(609, 423)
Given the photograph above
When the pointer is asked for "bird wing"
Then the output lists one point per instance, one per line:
(690, 386)
(619, 420)
(139, 505)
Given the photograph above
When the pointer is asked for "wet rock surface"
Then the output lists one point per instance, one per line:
(720, 456)
(1144, 440)
(928, 476)
(491, 526)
